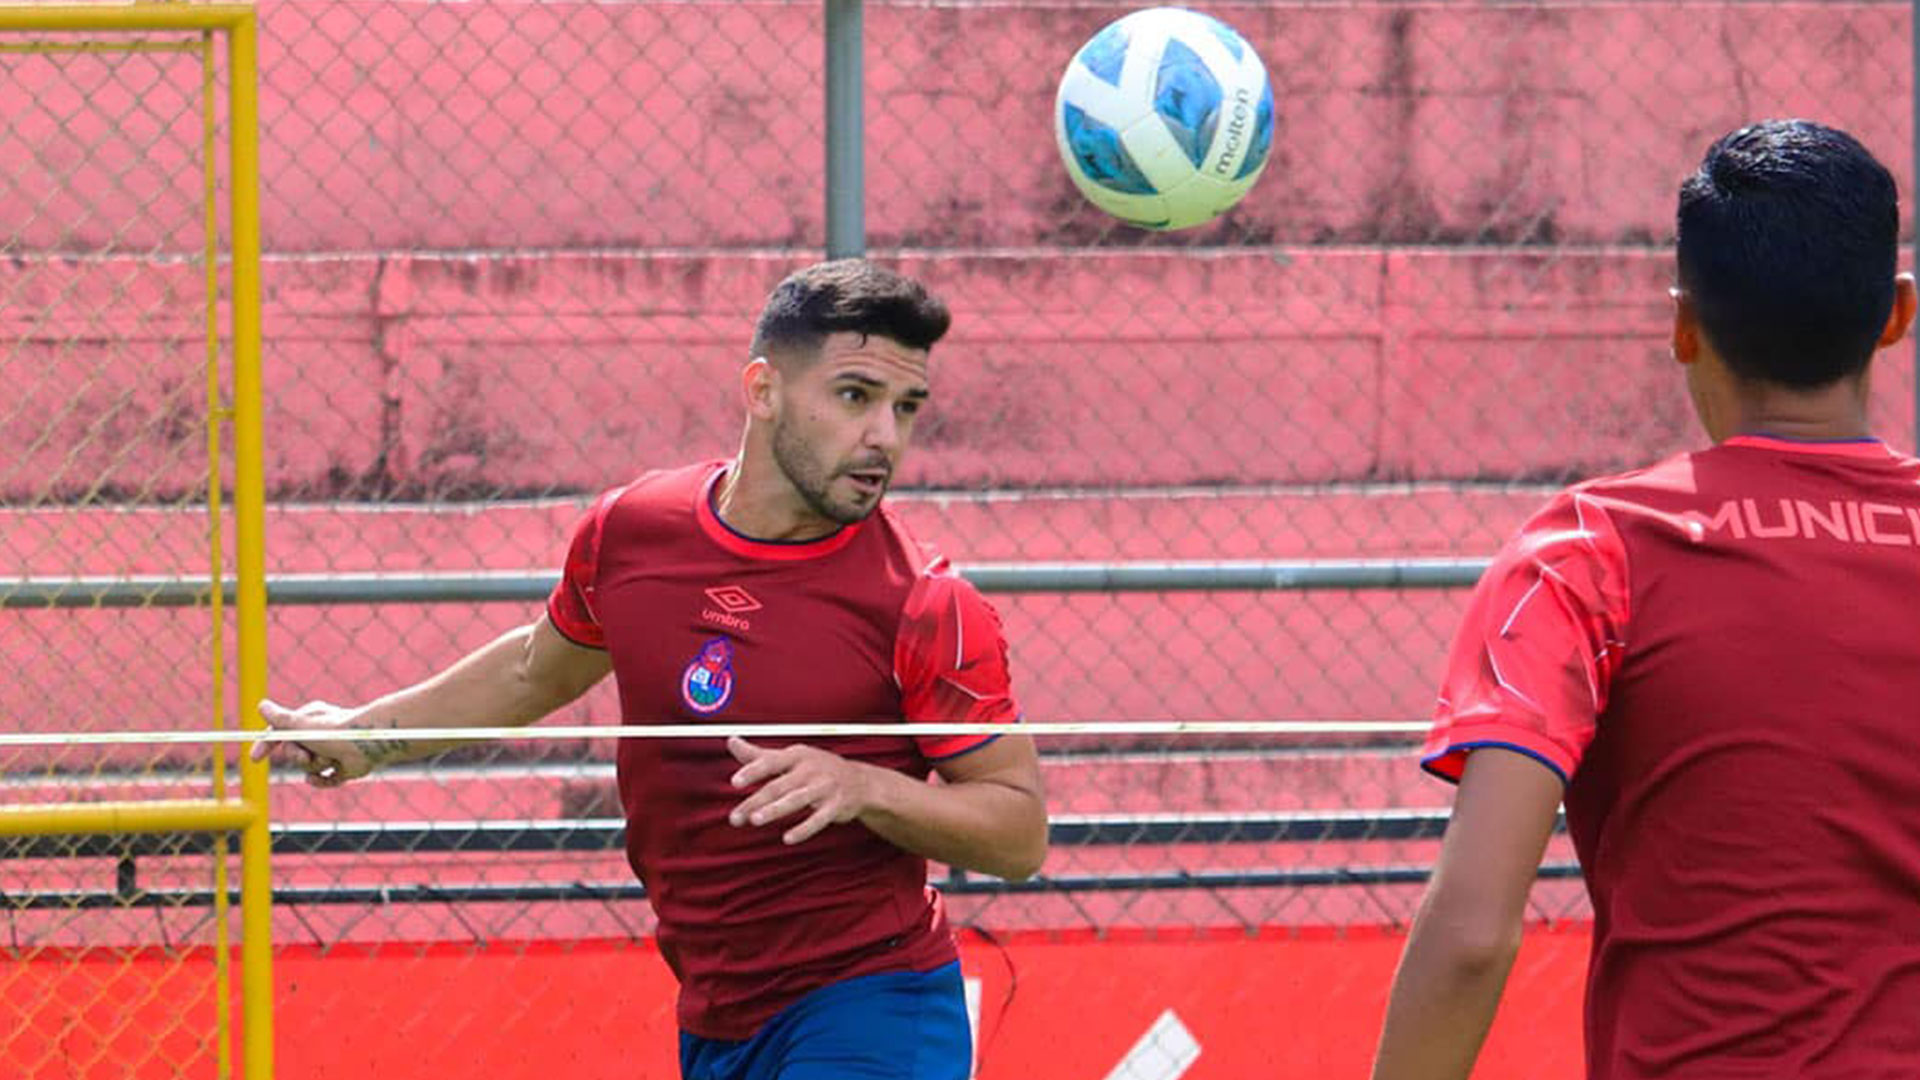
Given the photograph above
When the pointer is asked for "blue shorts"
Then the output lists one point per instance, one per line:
(899, 1026)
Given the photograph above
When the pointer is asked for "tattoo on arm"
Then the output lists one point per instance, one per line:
(382, 751)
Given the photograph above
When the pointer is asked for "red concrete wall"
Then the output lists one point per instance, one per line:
(429, 376)
(1291, 1005)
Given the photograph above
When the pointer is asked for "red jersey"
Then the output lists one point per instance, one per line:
(703, 624)
(1722, 653)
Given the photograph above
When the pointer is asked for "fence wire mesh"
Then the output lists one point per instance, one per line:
(514, 254)
(107, 191)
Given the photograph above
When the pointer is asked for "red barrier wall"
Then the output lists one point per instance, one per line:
(1284, 1004)
(1114, 370)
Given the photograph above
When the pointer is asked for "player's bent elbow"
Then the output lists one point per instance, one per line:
(1009, 858)
(1031, 857)
(1485, 956)
(1024, 869)
(1472, 948)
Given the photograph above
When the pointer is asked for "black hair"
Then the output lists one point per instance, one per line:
(1788, 235)
(847, 296)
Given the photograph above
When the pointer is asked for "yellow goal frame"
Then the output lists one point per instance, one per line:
(219, 814)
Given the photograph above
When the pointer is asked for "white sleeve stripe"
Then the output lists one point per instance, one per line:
(1552, 571)
(1514, 615)
(949, 681)
(1494, 663)
(1580, 516)
(959, 635)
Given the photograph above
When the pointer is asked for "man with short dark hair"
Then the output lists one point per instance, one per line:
(1715, 661)
(790, 881)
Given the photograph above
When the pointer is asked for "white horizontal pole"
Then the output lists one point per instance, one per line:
(551, 732)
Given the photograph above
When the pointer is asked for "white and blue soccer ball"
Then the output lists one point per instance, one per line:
(1164, 118)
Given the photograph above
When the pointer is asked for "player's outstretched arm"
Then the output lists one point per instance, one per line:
(517, 678)
(989, 814)
(1468, 929)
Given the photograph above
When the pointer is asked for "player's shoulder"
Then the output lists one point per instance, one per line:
(909, 557)
(673, 485)
(1693, 494)
(1675, 474)
(946, 620)
(1603, 510)
(933, 583)
(655, 503)
(1650, 492)
(670, 491)
(1746, 468)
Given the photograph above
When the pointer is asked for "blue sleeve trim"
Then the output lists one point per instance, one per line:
(1427, 762)
(963, 753)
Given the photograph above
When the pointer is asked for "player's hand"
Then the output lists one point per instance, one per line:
(796, 779)
(329, 762)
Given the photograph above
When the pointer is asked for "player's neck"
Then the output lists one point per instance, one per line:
(1824, 414)
(758, 503)
(1729, 406)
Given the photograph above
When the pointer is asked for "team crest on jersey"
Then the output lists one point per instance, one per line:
(707, 683)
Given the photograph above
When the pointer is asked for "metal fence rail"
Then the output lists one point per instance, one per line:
(607, 835)
(513, 586)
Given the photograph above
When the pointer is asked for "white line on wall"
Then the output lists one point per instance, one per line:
(1165, 1052)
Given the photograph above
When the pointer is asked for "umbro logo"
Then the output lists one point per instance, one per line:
(730, 602)
(733, 599)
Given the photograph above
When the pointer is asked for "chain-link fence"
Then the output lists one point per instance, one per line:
(115, 493)
(515, 251)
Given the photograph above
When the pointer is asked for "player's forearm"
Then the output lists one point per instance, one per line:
(1443, 1001)
(489, 687)
(986, 826)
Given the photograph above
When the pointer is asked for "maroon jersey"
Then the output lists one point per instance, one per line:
(704, 624)
(1723, 654)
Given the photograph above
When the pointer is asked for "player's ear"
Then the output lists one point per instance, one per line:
(1901, 317)
(760, 383)
(1686, 327)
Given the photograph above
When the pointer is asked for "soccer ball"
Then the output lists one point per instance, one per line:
(1164, 118)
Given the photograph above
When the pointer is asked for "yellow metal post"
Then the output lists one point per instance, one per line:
(249, 501)
(218, 416)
